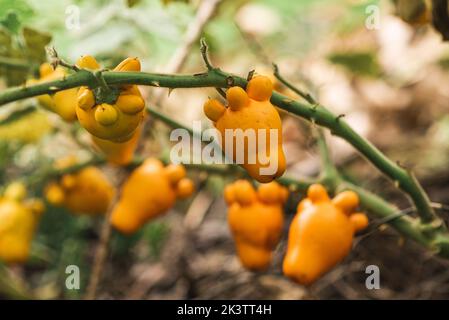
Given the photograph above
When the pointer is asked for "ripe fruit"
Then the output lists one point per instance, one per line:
(18, 220)
(87, 191)
(321, 233)
(150, 191)
(111, 121)
(256, 220)
(119, 153)
(250, 114)
(62, 102)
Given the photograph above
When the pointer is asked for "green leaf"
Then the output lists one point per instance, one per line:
(35, 42)
(132, 3)
(11, 22)
(5, 42)
(358, 63)
(155, 234)
(20, 7)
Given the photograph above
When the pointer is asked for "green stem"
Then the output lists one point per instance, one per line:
(217, 78)
(329, 173)
(404, 179)
(436, 240)
(306, 96)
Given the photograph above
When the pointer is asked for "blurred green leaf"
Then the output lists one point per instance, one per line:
(21, 9)
(132, 3)
(5, 42)
(121, 244)
(357, 63)
(29, 47)
(155, 234)
(35, 42)
(11, 287)
(11, 22)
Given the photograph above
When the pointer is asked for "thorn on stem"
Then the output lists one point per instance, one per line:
(56, 61)
(342, 115)
(275, 69)
(205, 54)
(221, 92)
(230, 81)
(407, 167)
(201, 74)
(250, 75)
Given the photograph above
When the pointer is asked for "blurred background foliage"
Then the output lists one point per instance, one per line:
(390, 78)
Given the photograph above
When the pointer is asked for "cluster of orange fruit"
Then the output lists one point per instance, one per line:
(321, 233)
(115, 127)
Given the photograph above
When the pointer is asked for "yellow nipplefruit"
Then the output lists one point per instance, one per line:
(119, 153)
(18, 221)
(15, 191)
(115, 122)
(256, 220)
(321, 234)
(62, 102)
(87, 191)
(150, 191)
(255, 128)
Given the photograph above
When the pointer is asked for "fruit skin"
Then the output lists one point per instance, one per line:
(118, 153)
(251, 109)
(256, 220)
(62, 102)
(149, 192)
(18, 221)
(321, 234)
(87, 191)
(115, 122)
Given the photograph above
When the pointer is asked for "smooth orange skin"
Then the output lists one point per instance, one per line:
(149, 192)
(118, 153)
(16, 231)
(129, 107)
(87, 191)
(250, 110)
(62, 102)
(18, 221)
(321, 234)
(256, 224)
